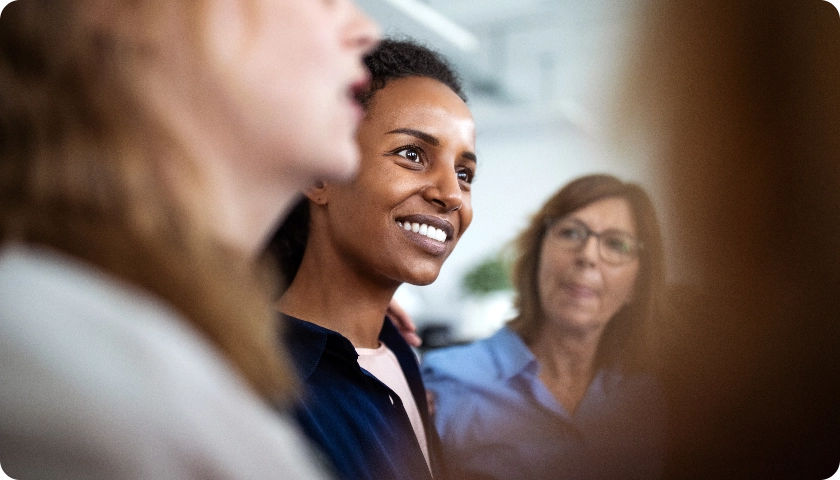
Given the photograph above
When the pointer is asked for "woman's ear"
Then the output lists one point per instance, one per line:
(317, 193)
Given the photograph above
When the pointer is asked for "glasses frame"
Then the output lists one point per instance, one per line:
(551, 222)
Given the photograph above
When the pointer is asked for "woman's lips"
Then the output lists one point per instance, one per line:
(360, 86)
(429, 233)
(354, 92)
(579, 291)
(435, 247)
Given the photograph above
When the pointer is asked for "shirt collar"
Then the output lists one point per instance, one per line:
(514, 357)
(308, 343)
(511, 354)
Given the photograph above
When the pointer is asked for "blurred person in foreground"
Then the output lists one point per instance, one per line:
(147, 149)
(348, 246)
(741, 104)
(565, 389)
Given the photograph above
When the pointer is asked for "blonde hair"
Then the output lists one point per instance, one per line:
(82, 171)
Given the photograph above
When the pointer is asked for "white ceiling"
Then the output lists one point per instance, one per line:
(544, 61)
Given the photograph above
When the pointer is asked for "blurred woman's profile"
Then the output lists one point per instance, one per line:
(147, 150)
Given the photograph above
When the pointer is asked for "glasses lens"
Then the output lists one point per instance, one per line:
(617, 247)
(569, 234)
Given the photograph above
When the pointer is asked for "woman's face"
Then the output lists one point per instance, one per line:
(418, 162)
(283, 73)
(578, 291)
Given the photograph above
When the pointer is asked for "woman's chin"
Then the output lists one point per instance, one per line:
(421, 278)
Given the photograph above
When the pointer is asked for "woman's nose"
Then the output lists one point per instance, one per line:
(589, 252)
(362, 32)
(444, 190)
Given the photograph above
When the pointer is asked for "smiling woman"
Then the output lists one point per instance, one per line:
(349, 245)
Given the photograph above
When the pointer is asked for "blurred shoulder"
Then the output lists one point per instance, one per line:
(478, 361)
(123, 381)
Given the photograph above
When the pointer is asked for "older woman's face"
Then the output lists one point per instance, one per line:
(577, 289)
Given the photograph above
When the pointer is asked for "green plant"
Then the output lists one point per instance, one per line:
(490, 275)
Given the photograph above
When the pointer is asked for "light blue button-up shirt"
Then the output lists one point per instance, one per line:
(497, 419)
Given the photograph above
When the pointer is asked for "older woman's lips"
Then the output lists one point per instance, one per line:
(579, 291)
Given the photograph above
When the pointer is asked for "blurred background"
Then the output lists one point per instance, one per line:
(542, 78)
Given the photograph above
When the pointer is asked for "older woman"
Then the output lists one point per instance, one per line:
(349, 245)
(561, 391)
(147, 149)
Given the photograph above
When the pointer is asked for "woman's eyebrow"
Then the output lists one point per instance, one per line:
(418, 134)
(431, 140)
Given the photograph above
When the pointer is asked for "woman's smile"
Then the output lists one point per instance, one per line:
(428, 232)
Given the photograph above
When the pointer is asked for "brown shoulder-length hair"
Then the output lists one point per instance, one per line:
(85, 170)
(627, 340)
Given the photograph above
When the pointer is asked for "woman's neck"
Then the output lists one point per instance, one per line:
(567, 362)
(328, 292)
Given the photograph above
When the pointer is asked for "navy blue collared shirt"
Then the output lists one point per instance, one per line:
(358, 421)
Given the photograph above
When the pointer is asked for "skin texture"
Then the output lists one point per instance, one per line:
(580, 294)
(264, 103)
(355, 245)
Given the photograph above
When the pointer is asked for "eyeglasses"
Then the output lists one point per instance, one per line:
(615, 246)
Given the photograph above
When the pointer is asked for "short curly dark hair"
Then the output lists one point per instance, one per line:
(392, 59)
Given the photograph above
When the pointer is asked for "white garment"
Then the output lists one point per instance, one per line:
(100, 380)
(383, 364)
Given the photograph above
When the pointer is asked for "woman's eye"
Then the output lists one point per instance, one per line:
(411, 154)
(618, 243)
(571, 233)
(465, 175)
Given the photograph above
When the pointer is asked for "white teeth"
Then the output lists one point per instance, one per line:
(425, 230)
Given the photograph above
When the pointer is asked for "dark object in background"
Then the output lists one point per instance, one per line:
(437, 335)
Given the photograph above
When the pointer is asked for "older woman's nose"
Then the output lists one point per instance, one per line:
(589, 252)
